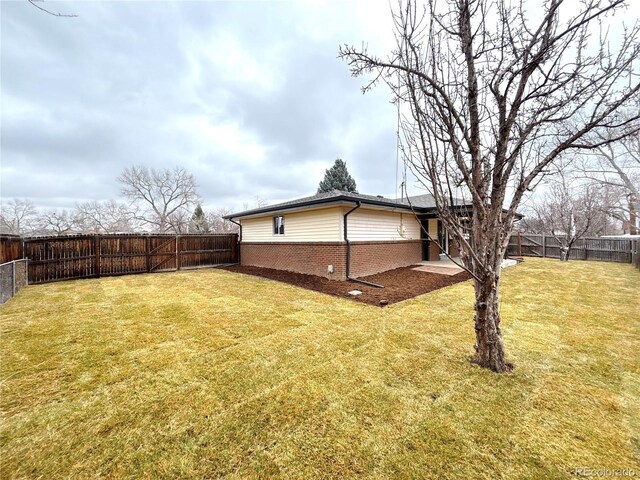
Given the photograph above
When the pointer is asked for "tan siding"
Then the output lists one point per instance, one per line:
(322, 225)
(433, 228)
(379, 225)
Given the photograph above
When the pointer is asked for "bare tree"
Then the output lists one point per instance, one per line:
(218, 224)
(616, 167)
(569, 211)
(56, 222)
(258, 202)
(180, 220)
(104, 217)
(541, 213)
(493, 98)
(17, 216)
(165, 197)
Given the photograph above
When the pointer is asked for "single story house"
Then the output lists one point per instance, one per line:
(341, 235)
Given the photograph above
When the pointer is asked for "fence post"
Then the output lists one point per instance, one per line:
(585, 244)
(544, 245)
(96, 248)
(13, 275)
(519, 243)
(177, 253)
(148, 252)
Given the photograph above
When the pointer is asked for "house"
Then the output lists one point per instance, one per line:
(341, 235)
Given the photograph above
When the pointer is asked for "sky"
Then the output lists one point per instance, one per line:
(248, 96)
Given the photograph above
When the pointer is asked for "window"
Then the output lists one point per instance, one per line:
(278, 225)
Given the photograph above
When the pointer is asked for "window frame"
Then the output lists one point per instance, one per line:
(278, 230)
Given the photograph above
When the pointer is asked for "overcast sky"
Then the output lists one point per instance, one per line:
(247, 96)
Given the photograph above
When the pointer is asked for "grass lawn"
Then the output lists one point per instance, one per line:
(208, 374)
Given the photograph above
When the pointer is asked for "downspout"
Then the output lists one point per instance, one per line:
(239, 239)
(348, 263)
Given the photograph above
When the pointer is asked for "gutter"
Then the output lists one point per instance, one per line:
(346, 239)
(239, 239)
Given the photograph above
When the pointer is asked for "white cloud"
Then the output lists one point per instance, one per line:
(249, 96)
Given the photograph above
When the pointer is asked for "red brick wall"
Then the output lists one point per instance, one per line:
(434, 251)
(311, 258)
(367, 258)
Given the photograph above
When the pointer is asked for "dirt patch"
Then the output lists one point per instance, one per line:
(399, 284)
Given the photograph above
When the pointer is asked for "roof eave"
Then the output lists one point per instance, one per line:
(323, 201)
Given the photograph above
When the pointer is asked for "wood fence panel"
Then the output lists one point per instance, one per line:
(84, 256)
(10, 248)
(60, 258)
(202, 250)
(122, 255)
(599, 249)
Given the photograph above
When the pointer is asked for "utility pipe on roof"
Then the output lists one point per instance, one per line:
(346, 239)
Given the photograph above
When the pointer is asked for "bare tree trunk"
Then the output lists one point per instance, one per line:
(489, 346)
(633, 219)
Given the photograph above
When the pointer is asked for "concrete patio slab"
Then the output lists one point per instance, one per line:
(440, 269)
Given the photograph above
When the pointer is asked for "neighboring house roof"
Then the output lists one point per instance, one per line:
(420, 203)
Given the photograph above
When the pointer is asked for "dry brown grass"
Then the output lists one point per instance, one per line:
(208, 374)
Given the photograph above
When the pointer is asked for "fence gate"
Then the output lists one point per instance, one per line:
(163, 254)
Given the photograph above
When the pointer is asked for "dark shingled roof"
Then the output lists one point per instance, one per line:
(420, 203)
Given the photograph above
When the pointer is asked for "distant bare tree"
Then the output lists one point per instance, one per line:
(568, 211)
(217, 224)
(616, 166)
(165, 197)
(495, 92)
(56, 222)
(258, 202)
(180, 221)
(104, 217)
(17, 216)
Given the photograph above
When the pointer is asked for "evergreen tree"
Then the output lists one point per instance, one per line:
(337, 178)
(198, 222)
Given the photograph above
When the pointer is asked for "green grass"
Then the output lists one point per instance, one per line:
(208, 374)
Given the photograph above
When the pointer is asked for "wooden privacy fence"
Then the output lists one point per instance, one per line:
(10, 248)
(600, 249)
(88, 256)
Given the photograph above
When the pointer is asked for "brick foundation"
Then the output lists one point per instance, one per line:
(368, 258)
(312, 258)
(434, 251)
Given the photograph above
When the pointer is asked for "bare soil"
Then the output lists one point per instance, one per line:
(399, 284)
